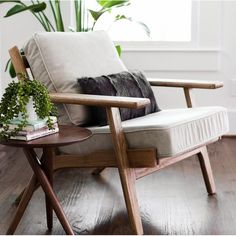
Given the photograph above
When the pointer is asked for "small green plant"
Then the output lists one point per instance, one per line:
(15, 99)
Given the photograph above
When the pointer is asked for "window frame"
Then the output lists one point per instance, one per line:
(159, 45)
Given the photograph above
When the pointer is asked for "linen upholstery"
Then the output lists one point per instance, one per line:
(124, 84)
(171, 132)
(58, 59)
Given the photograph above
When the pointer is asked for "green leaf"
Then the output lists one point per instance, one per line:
(20, 8)
(118, 49)
(12, 70)
(122, 17)
(96, 14)
(81, 15)
(113, 3)
(78, 15)
(59, 21)
(144, 26)
(7, 65)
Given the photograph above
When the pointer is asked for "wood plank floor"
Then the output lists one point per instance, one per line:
(172, 201)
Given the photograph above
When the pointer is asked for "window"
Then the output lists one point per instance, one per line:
(168, 21)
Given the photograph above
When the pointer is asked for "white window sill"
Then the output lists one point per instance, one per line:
(155, 49)
(172, 59)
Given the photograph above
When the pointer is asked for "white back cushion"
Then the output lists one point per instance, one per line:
(59, 59)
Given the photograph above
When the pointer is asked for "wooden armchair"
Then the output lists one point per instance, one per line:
(132, 162)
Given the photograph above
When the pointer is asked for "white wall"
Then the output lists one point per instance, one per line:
(13, 31)
(228, 58)
(212, 57)
(16, 30)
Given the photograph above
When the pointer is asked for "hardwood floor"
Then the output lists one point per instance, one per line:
(172, 201)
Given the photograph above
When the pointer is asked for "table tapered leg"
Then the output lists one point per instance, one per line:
(47, 163)
(44, 182)
(22, 205)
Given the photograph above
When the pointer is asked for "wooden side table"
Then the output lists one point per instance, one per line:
(43, 172)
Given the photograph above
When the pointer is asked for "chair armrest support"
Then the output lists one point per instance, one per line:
(185, 83)
(98, 100)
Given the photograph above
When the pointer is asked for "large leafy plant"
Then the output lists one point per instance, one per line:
(85, 19)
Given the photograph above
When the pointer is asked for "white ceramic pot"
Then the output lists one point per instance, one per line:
(32, 116)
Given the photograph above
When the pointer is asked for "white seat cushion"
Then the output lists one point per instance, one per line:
(58, 59)
(171, 132)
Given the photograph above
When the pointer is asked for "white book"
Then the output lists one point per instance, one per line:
(29, 137)
(32, 126)
(38, 131)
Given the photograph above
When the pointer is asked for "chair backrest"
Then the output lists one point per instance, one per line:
(59, 59)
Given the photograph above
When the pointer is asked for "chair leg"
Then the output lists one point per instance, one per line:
(128, 178)
(207, 171)
(127, 174)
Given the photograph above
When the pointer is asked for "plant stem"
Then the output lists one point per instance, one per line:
(41, 18)
(94, 23)
(45, 22)
(83, 17)
(37, 17)
(53, 12)
(59, 23)
(41, 22)
(77, 4)
(49, 24)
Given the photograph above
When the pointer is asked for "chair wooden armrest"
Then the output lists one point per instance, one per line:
(185, 83)
(98, 100)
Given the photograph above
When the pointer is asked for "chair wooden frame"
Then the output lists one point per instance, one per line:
(130, 162)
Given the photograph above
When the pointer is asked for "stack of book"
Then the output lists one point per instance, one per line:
(34, 129)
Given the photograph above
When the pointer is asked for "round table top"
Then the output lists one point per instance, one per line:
(67, 134)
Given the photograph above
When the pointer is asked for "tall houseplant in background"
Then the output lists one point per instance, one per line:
(85, 19)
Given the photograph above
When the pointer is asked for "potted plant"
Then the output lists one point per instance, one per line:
(20, 100)
(85, 19)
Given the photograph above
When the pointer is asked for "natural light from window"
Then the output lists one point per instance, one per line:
(168, 20)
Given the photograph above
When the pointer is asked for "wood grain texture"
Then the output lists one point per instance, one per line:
(26, 196)
(207, 171)
(17, 61)
(172, 201)
(47, 165)
(200, 84)
(127, 175)
(167, 161)
(137, 158)
(99, 100)
(189, 97)
(45, 184)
